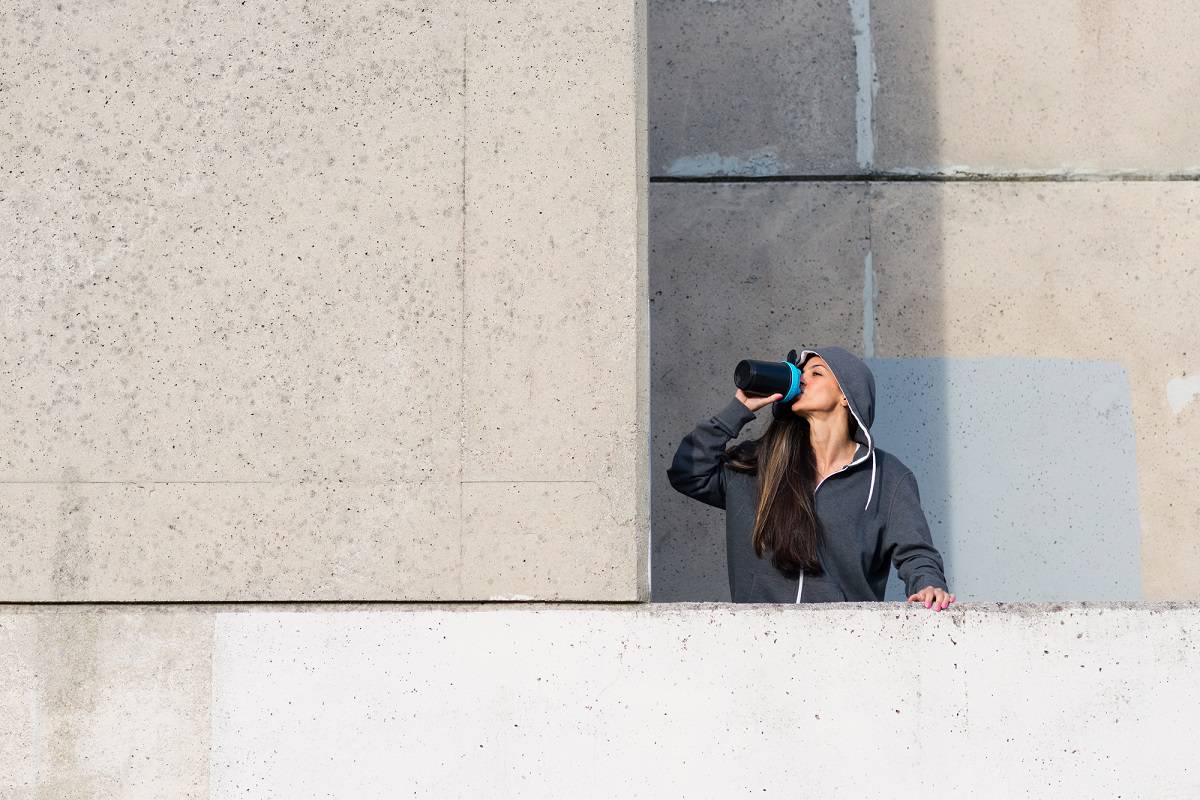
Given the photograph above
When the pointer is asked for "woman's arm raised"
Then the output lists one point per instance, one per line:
(697, 469)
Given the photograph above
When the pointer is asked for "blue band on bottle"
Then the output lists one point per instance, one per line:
(794, 389)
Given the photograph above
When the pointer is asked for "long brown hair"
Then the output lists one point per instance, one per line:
(785, 520)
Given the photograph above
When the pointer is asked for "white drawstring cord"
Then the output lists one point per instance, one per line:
(872, 490)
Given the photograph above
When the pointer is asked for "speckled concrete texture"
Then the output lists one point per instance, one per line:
(1029, 86)
(1079, 270)
(236, 243)
(801, 88)
(196, 542)
(552, 540)
(585, 700)
(105, 702)
(746, 270)
(751, 88)
(556, 381)
(276, 282)
(641, 701)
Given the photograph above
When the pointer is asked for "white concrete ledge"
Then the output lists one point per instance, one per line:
(599, 700)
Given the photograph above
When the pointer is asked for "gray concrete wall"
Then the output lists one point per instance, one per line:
(644, 701)
(995, 207)
(323, 303)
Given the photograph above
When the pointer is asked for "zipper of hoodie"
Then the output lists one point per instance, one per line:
(843, 469)
(800, 586)
(827, 477)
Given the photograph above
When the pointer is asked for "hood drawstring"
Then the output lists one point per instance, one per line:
(872, 489)
(871, 447)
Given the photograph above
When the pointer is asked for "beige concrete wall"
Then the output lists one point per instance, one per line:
(1037, 88)
(694, 700)
(323, 303)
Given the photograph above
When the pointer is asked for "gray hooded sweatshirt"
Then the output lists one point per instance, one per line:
(870, 510)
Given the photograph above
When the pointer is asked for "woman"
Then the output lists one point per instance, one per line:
(832, 511)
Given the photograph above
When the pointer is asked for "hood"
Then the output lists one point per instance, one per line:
(858, 384)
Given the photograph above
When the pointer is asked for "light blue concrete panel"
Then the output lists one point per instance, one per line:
(1027, 473)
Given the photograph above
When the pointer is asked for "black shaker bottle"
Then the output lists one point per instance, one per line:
(765, 378)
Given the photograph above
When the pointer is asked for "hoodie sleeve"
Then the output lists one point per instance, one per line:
(906, 538)
(698, 467)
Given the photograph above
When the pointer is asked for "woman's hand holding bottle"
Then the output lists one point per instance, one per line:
(755, 403)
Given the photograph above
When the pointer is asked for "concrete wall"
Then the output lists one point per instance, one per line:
(996, 208)
(323, 302)
(641, 701)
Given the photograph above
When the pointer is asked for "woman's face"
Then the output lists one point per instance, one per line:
(821, 391)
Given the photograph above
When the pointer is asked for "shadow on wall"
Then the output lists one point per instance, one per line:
(1026, 467)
